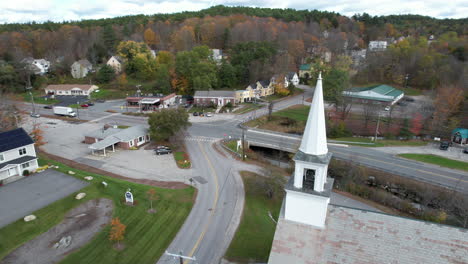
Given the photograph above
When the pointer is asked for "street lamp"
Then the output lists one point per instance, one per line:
(406, 80)
(29, 88)
(139, 97)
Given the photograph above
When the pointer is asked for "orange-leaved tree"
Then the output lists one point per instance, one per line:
(117, 231)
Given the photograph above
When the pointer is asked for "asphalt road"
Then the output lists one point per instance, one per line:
(207, 231)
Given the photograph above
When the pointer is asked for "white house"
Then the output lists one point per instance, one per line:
(217, 55)
(81, 68)
(70, 89)
(17, 154)
(116, 63)
(293, 78)
(37, 66)
(377, 45)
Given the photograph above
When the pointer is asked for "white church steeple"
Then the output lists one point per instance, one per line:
(314, 141)
(308, 191)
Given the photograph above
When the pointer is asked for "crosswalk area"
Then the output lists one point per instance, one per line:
(202, 139)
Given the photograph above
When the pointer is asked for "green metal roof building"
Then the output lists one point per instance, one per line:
(380, 93)
(460, 135)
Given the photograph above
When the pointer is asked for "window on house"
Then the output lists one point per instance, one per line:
(308, 179)
(131, 143)
(25, 165)
(140, 139)
(1, 157)
(22, 151)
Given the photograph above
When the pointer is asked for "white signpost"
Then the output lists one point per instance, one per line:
(129, 197)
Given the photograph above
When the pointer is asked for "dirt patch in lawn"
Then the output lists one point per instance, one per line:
(81, 166)
(78, 227)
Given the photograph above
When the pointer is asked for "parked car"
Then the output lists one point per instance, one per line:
(465, 150)
(444, 145)
(35, 115)
(209, 114)
(387, 108)
(201, 114)
(90, 103)
(409, 99)
(162, 147)
(84, 105)
(163, 151)
(47, 107)
(195, 113)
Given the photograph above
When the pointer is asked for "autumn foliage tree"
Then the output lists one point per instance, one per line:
(151, 195)
(38, 135)
(447, 106)
(416, 124)
(117, 231)
(150, 38)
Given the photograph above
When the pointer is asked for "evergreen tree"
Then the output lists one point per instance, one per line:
(105, 74)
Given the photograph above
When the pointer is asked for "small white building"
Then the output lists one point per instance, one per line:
(70, 89)
(17, 154)
(217, 55)
(377, 45)
(116, 63)
(293, 78)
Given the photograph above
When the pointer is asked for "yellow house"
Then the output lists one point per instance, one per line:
(246, 95)
(265, 88)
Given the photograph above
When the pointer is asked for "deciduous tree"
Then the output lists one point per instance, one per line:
(117, 231)
(167, 122)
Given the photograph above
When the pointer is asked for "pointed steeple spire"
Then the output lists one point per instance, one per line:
(314, 140)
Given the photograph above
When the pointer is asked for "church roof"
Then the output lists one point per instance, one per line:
(358, 236)
(314, 140)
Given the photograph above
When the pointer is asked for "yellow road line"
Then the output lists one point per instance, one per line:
(215, 202)
(406, 167)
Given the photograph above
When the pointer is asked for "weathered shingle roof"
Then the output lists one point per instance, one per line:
(463, 132)
(290, 75)
(214, 94)
(357, 236)
(14, 139)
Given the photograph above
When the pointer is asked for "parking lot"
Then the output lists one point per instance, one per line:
(65, 139)
(34, 192)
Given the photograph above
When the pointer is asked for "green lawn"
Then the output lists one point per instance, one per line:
(248, 107)
(38, 99)
(437, 160)
(254, 237)
(147, 235)
(105, 93)
(380, 143)
(411, 91)
(297, 112)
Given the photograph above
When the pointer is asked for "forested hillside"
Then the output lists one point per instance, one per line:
(281, 41)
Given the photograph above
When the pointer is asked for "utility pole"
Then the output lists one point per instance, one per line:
(406, 80)
(139, 97)
(77, 107)
(377, 128)
(243, 143)
(180, 256)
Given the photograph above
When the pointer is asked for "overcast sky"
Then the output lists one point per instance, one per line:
(59, 10)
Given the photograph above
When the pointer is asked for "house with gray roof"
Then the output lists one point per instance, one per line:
(81, 68)
(17, 154)
(215, 97)
(383, 94)
(112, 137)
(310, 230)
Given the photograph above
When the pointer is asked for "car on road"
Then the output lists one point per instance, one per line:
(47, 107)
(162, 151)
(195, 113)
(444, 145)
(35, 115)
(209, 114)
(84, 105)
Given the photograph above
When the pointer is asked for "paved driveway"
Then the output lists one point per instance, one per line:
(32, 193)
